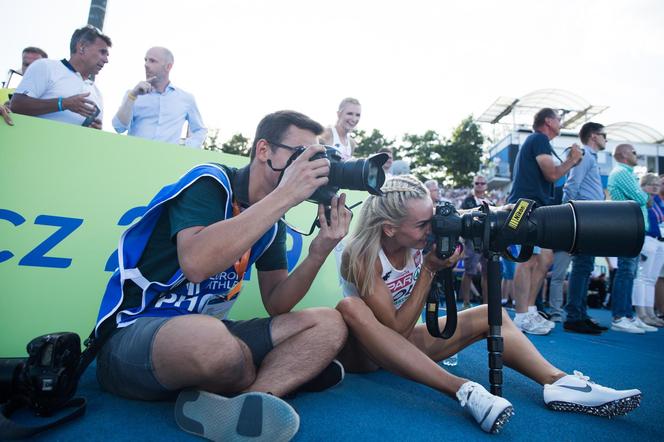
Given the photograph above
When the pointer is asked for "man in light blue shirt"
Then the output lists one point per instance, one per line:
(583, 183)
(157, 110)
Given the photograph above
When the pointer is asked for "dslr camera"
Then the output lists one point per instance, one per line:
(596, 228)
(45, 380)
(354, 174)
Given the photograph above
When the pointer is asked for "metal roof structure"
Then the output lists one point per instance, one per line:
(634, 132)
(575, 110)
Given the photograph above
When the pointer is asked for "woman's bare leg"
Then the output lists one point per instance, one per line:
(472, 325)
(391, 351)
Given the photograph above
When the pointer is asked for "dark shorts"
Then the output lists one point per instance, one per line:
(472, 260)
(124, 364)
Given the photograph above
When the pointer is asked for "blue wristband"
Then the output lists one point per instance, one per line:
(60, 104)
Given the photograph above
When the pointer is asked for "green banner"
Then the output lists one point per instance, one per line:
(67, 193)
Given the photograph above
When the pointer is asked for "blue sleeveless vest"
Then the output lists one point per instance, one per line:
(176, 296)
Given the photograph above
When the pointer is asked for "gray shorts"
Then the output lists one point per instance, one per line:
(124, 363)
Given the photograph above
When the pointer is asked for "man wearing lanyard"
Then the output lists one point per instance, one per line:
(180, 270)
(64, 90)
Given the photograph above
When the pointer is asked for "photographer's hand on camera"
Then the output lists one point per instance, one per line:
(303, 177)
(330, 234)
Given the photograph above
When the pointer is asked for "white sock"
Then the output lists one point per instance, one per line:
(532, 309)
(520, 316)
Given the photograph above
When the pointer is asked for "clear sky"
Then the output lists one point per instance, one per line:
(414, 65)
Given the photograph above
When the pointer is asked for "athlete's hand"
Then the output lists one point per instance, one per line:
(330, 234)
(433, 263)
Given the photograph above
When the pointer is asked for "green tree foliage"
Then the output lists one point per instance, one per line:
(237, 145)
(424, 152)
(461, 156)
(368, 144)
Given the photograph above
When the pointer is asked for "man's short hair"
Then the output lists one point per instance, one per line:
(588, 129)
(88, 34)
(542, 115)
(273, 127)
(35, 50)
(386, 150)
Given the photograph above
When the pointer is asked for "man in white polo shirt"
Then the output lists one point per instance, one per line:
(64, 90)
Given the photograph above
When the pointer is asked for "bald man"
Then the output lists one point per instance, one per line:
(157, 110)
(623, 185)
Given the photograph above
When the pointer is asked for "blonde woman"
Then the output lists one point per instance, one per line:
(652, 258)
(386, 279)
(348, 116)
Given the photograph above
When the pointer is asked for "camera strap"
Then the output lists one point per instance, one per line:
(10, 429)
(442, 282)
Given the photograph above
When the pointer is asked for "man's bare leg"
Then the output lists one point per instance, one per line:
(522, 282)
(198, 351)
(305, 342)
(543, 263)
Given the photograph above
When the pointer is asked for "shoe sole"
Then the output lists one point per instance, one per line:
(256, 417)
(626, 330)
(537, 332)
(502, 420)
(611, 409)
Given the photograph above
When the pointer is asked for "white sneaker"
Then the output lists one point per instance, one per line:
(529, 324)
(577, 393)
(642, 325)
(254, 416)
(491, 412)
(625, 325)
(537, 317)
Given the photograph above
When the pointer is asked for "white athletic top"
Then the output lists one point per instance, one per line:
(399, 281)
(345, 149)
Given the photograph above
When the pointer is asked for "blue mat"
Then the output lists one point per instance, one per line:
(383, 407)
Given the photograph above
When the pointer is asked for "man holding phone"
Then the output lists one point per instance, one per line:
(157, 110)
(64, 90)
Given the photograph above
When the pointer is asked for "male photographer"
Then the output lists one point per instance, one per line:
(64, 90)
(534, 175)
(181, 270)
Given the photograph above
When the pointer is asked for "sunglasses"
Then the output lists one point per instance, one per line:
(480, 183)
(284, 146)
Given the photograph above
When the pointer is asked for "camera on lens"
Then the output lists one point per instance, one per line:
(365, 174)
(597, 228)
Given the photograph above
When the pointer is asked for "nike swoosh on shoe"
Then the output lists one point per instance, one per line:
(586, 389)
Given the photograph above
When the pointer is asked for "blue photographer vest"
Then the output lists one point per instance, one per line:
(216, 295)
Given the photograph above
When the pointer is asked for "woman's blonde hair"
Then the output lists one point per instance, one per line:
(359, 259)
(346, 101)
